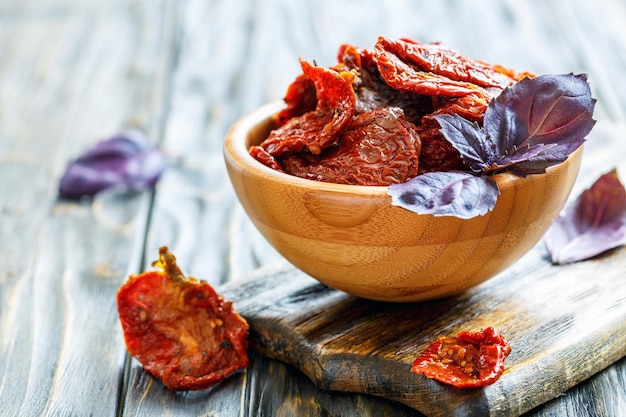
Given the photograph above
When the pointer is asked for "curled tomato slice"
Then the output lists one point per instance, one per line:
(320, 128)
(378, 148)
(179, 328)
(435, 58)
(469, 360)
(402, 75)
(300, 98)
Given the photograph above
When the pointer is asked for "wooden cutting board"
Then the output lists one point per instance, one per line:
(564, 324)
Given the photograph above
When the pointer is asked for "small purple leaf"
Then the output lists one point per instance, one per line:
(453, 193)
(127, 161)
(592, 224)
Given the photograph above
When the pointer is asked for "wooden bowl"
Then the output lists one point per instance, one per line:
(352, 239)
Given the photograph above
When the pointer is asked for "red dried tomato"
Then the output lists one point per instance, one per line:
(261, 155)
(437, 154)
(437, 59)
(324, 106)
(319, 128)
(403, 76)
(300, 98)
(372, 92)
(469, 360)
(179, 328)
(379, 148)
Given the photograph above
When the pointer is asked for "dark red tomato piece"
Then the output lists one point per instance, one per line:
(436, 58)
(265, 158)
(180, 329)
(378, 148)
(350, 56)
(372, 92)
(402, 75)
(469, 360)
(467, 107)
(320, 128)
(437, 155)
(300, 98)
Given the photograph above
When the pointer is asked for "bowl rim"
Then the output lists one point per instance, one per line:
(235, 149)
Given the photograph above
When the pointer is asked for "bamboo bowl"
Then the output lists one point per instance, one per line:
(352, 239)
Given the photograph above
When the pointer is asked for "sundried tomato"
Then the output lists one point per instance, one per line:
(468, 107)
(179, 328)
(402, 75)
(320, 128)
(437, 59)
(350, 56)
(300, 98)
(324, 106)
(379, 148)
(469, 360)
(372, 92)
(261, 155)
(437, 155)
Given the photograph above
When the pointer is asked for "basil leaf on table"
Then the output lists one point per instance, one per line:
(126, 161)
(592, 224)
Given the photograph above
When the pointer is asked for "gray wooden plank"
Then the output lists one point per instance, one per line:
(69, 76)
(562, 326)
(586, 399)
(193, 210)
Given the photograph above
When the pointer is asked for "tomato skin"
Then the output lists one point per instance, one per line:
(182, 332)
(300, 99)
(455, 68)
(319, 128)
(379, 148)
(469, 360)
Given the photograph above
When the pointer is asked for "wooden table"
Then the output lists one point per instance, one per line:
(75, 71)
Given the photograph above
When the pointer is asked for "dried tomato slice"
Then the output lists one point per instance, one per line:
(372, 92)
(437, 153)
(300, 98)
(401, 75)
(179, 328)
(378, 148)
(264, 157)
(436, 58)
(320, 128)
(469, 360)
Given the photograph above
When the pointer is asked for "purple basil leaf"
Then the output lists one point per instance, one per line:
(478, 152)
(127, 161)
(538, 122)
(594, 223)
(453, 193)
(530, 126)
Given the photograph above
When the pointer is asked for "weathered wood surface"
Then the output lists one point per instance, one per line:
(555, 317)
(73, 72)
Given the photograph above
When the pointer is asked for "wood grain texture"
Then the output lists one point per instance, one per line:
(74, 71)
(61, 352)
(562, 327)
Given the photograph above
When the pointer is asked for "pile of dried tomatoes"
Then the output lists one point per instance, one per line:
(368, 120)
